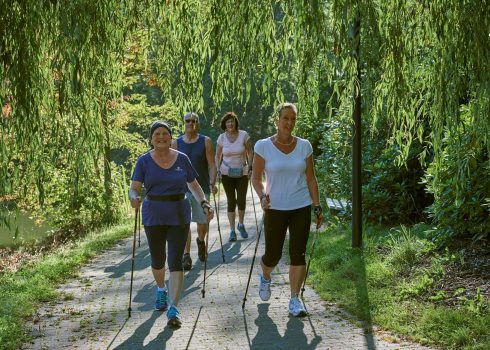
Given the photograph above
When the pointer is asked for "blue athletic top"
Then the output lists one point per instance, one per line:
(159, 181)
(196, 152)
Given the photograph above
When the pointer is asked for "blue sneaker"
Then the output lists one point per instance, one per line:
(173, 316)
(264, 288)
(161, 300)
(232, 236)
(241, 229)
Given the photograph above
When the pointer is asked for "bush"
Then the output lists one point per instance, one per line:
(460, 183)
(392, 194)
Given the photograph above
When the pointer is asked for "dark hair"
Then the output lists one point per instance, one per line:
(158, 124)
(229, 115)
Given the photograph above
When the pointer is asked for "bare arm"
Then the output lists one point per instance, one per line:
(135, 194)
(219, 154)
(258, 168)
(211, 164)
(313, 188)
(249, 151)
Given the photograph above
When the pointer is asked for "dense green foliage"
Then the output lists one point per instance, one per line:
(424, 81)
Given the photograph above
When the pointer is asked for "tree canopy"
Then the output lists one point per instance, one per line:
(425, 72)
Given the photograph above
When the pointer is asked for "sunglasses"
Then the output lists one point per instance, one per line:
(193, 121)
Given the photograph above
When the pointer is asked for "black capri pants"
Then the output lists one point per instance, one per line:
(276, 223)
(236, 191)
(158, 237)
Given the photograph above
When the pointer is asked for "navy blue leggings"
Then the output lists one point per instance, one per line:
(276, 223)
(158, 236)
(236, 191)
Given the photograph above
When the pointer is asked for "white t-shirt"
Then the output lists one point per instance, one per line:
(234, 153)
(286, 174)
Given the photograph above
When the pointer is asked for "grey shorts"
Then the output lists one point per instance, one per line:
(198, 215)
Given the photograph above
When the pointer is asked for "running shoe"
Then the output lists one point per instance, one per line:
(161, 300)
(232, 236)
(296, 307)
(241, 229)
(264, 288)
(187, 261)
(173, 316)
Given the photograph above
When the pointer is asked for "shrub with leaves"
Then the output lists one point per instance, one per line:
(460, 183)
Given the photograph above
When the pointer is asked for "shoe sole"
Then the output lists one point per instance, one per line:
(174, 322)
(162, 309)
(300, 314)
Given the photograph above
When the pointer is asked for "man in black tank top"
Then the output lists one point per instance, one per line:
(199, 149)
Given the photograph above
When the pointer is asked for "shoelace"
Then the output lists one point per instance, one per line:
(296, 303)
(173, 312)
(161, 296)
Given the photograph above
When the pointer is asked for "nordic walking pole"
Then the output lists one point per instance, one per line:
(139, 231)
(208, 207)
(136, 212)
(253, 260)
(205, 266)
(216, 208)
(309, 261)
(319, 218)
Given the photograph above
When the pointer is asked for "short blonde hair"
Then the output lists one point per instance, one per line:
(284, 106)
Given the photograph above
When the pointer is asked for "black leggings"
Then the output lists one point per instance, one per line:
(158, 236)
(276, 223)
(236, 191)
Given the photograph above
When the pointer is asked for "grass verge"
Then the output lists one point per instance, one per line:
(392, 283)
(22, 291)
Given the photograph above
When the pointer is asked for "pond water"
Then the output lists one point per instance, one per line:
(23, 228)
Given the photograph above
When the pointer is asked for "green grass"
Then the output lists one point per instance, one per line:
(22, 291)
(390, 283)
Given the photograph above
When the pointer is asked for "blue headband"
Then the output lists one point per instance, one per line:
(159, 124)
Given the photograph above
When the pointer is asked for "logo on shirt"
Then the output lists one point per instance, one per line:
(178, 168)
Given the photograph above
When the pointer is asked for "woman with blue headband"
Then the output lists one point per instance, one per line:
(167, 175)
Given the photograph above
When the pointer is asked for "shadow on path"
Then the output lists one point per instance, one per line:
(267, 333)
(362, 299)
(136, 340)
(141, 262)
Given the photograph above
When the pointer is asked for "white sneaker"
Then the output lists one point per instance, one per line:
(264, 288)
(296, 308)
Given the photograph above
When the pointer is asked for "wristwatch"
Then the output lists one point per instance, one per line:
(317, 210)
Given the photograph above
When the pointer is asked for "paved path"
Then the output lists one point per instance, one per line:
(94, 312)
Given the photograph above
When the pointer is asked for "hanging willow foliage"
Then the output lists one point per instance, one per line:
(420, 59)
(60, 65)
(61, 61)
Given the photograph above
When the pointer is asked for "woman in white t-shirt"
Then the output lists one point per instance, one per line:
(233, 160)
(291, 189)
